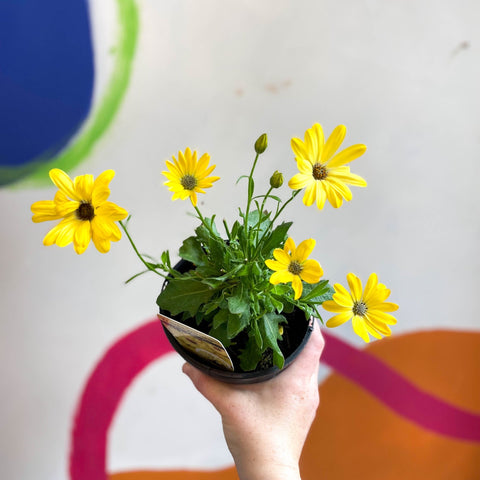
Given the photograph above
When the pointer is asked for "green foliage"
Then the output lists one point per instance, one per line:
(227, 291)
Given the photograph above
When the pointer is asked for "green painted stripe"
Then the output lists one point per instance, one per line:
(36, 173)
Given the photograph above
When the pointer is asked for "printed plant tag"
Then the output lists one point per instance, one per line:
(198, 343)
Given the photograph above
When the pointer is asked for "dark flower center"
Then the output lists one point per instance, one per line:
(189, 182)
(359, 308)
(295, 268)
(319, 172)
(85, 211)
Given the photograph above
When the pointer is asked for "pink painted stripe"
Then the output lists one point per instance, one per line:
(104, 389)
(394, 391)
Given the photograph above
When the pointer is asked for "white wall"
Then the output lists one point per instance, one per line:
(402, 75)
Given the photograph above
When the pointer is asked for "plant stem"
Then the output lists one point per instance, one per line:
(149, 267)
(249, 201)
(250, 191)
(202, 219)
(294, 194)
(260, 215)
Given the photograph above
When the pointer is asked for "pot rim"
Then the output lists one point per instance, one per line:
(255, 376)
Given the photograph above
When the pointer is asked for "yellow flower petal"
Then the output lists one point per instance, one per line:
(304, 250)
(333, 143)
(370, 287)
(44, 210)
(274, 265)
(289, 246)
(309, 195)
(329, 177)
(349, 178)
(111, 210)
(64, 183)
(382, 317)
(333, 196)
(360, 329)
(384, 306)
(189, 175)
(282, 276)
(297, 286)
(83, 185)
(340, 188)
(346, 156)
(334, 307)
(321, 195)
(82, 237)
(311, 271)
(282, 257)
(370, 308)
(298, 148)
(339, 319)
(372, 330)
(80, 203)
(299, 181)
(312, 145)
(62, 233)
(101, 244)
(355, 285)
(377, 325)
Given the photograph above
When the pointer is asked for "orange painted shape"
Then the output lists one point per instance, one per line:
(228, 474)
(354, 436)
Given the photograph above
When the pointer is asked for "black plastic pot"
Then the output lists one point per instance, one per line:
(296, 334)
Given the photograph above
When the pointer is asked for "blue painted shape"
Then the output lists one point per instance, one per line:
(46, 77)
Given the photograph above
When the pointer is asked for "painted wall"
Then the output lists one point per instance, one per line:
(212, 75)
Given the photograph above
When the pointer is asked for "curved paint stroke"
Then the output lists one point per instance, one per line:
(104, 389)
(46, 77)
(396, 392)
(103, 114)
(127, 357)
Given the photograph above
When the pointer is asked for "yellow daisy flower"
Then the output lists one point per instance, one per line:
(86, 215)
(188, 176)
(367, 308)
(323, 172)
(291, 264)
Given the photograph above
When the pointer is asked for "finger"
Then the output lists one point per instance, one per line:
(210, 388)
(309, 358)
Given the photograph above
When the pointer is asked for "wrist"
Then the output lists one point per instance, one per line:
(256, 470)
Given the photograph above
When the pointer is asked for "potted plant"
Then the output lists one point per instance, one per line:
(239, 304)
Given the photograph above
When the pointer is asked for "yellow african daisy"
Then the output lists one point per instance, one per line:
(188, 176)
(291, 264)
(367, 308)
(86, 215)
(323, 172)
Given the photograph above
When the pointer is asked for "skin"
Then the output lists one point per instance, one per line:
(266, 424)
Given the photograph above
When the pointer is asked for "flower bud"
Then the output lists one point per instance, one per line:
(261, 143)
(276, 180)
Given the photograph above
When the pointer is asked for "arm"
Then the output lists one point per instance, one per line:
(266, 424)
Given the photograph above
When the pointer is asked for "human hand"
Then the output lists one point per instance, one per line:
(266, 424)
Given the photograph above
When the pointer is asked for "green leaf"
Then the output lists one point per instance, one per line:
(166, 259)
(236, 323)
(239, 178)
(136, 275)
(251, 187)
(318, 293)
(276, 238)
(192, 251)
(220, 318)
(220, 333)
(269, 328)
(250, 356)
(184, 295)
(238, 302)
